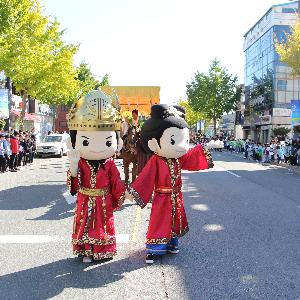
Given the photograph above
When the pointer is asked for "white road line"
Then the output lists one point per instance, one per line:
(122, 238)
(27, 239)
(43, 239)
(233, 174)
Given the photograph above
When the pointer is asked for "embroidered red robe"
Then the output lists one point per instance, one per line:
(163, 177)
(93, 228)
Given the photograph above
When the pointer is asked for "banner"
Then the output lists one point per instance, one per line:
(4, 107)
(295, 115)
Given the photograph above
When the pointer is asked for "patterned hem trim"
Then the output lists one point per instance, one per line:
(158, 241)
(99, 256)
(69, 176)
(120, 202)
(166, 240)
(96, 256)
(208, 158)
(136, 196)
(92, 241)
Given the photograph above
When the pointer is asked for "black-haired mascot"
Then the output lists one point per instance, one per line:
(166, 135)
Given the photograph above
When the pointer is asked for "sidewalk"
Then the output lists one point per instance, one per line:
(295, 169)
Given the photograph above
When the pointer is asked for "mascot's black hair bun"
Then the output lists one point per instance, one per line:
(159, 111)
(162, 118)
(162, 111)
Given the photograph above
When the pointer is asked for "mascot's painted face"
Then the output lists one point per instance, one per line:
(97, 145)
(174, 143)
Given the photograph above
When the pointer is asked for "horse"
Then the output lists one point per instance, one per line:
(129, 151)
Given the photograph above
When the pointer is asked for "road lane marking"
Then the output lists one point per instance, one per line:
(201, 207)
(28, 239)
(136, 224)
(43, 239)
(213, 227)
(122, 238)
(233, 173)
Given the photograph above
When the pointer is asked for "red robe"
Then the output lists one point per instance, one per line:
(168, 219)
(93, 228)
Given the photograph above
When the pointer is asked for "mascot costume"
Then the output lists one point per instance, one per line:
(94, 123)
(166, 135)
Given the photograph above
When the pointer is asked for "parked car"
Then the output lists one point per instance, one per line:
(53, 144)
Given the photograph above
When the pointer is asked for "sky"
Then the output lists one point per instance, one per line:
(158, 42)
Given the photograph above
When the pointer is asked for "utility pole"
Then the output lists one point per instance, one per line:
(9, 87)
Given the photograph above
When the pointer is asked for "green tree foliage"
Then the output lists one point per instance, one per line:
(2, 124)
(289, 50)
(87, 80)
(33, 55)
(215, 93)
(281, 131)
(192, 116)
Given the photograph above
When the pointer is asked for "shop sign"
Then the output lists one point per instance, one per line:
(295, 115)
(281, 112)
(4, 103)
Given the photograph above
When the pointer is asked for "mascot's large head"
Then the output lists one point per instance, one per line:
(94, 123)
(166, 133)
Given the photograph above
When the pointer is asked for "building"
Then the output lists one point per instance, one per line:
(269, 85)
(60, 123)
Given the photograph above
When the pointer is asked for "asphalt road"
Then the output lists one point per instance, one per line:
(244, 239)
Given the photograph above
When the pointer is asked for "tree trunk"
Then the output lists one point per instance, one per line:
(22, 115)
(215, 126)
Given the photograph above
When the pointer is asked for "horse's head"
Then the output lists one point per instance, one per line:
(132, 137)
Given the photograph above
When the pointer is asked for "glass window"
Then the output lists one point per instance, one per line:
(53, 138)
(281, 97)
(288, 10)
(290, 86)
(289, 96)
(63, 124)
(281, 85)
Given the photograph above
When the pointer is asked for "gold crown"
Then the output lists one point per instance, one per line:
(96, 111)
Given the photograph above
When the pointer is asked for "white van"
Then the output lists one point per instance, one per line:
(53, 144)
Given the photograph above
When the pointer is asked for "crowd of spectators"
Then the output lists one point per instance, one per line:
(17, 149)
(278, 151)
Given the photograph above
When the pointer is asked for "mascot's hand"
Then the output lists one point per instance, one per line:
(74, 157)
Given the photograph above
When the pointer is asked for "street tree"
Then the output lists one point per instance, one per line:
(281, 132)
(289, 50)
(215, 93)
(33, 54)
(192, 116)
(87, 80)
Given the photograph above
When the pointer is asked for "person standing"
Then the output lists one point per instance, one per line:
(14, 144)
(3, 150)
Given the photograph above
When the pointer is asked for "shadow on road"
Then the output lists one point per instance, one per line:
(243, 242)
(47, 281)
(38, 196)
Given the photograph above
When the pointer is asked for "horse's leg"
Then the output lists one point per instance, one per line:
(134, 166)
(126, 163)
